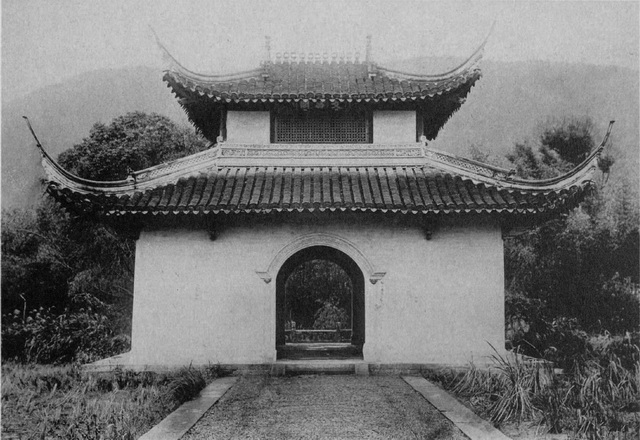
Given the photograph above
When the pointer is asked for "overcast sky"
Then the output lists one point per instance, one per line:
(45, 41)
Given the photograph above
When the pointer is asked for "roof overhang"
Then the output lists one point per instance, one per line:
(407, 178)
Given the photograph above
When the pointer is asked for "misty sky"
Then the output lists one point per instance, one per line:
(44, 41)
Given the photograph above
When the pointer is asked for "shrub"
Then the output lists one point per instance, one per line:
(47, 337)
(68, 282)
(330, 317)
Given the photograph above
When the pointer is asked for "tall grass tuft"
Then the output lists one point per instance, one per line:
(186, 384)
(598, 398)
(520, 381)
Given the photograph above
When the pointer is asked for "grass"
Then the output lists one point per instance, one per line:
(599, 400)
(43, 401)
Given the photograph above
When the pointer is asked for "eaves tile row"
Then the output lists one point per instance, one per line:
(267, 189)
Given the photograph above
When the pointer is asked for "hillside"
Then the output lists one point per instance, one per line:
(62, 116)
(506, 106)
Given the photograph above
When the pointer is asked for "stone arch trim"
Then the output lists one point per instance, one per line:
(321, 239)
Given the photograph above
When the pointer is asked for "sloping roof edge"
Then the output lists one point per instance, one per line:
(370, 155)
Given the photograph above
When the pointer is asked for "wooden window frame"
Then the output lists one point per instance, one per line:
(367, 115)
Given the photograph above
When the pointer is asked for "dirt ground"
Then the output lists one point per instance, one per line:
(323, 407)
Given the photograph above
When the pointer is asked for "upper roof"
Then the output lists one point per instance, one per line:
(303, 78)
(235, 178)
(294, 78)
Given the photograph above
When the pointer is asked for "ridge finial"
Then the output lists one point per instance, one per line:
(368, 55)
(267, 49)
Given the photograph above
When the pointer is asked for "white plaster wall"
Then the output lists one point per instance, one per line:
(394, 126)
(201, 301)
(248, 127)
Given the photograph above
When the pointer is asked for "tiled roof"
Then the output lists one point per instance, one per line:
(266, 189)
(234, 178)
(316, 77)
(320, 81)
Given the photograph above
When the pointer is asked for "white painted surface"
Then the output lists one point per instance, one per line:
(201, 301)
(248, 127)
(394, 126)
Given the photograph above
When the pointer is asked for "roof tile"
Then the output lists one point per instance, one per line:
(255, 189)
(348, 80)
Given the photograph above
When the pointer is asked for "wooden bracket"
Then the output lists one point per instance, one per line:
(212, 228)
(514, 231)
(429, 225)
(512, 227)
(127, 227)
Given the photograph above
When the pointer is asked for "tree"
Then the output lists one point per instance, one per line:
(317, 285)
(67, 282)
(129, 143)
(571, 139)
(582, 267)
(562, 144)
(66, 286)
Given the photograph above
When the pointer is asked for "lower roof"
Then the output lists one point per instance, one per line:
(409, 189)
(252, 178)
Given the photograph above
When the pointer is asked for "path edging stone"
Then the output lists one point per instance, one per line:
(466, 420)
(176, 424)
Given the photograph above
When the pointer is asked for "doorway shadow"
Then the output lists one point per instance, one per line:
(350, 349)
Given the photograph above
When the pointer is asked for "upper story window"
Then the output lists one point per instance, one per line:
(321, 126)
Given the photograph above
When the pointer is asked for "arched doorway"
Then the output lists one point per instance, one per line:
(322, 341)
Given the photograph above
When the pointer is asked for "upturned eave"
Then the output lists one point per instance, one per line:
(320, 156)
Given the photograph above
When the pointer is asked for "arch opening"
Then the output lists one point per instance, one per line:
(319, 305)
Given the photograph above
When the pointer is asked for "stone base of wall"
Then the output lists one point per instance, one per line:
(292, 367)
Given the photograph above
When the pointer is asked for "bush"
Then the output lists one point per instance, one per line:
(331, 317)
(67, 283)
(45, 337)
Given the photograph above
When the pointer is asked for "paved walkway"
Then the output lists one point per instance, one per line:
(323, 407)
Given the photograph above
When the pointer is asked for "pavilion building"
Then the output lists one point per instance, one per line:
(319, 157)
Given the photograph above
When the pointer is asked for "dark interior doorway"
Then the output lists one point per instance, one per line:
(319, 306)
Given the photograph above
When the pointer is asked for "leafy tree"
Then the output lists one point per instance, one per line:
(317, 288)
(570, 139)
(67, 282)
(129, 143)
(562, 144)
(579, 271)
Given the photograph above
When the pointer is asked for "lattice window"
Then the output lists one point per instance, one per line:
(322, 126)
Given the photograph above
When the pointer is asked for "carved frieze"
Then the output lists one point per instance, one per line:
(301, 151)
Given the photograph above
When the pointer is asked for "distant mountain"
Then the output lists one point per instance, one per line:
(504, 107)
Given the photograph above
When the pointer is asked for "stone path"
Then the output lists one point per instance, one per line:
(323, 407)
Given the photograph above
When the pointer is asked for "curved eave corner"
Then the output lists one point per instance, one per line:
(207, 160)
(146, 179)
(466, 69)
